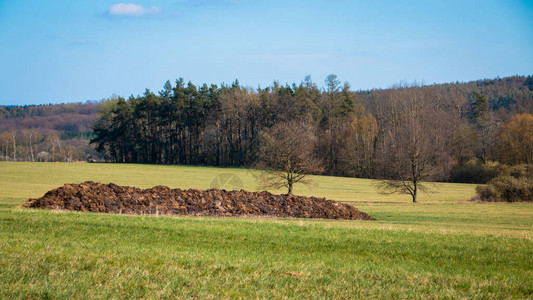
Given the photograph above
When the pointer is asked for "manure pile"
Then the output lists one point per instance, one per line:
(112, 198)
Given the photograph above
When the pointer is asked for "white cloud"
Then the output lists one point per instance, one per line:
(130, 9)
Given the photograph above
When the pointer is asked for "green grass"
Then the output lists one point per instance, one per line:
(443, 247)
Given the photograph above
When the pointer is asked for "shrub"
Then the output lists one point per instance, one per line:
(474, 171)
(513, 185)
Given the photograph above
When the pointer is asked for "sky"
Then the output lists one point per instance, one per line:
(72, 51)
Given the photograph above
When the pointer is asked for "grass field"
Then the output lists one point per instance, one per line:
(443, 247)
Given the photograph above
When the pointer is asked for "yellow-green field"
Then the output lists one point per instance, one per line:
(443, 247)
(33, 179)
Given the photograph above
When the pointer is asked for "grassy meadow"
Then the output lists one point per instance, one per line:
(442, 247)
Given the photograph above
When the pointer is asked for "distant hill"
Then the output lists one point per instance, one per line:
(506, 96)
(53, 132)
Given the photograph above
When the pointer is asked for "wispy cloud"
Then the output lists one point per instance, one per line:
(130, 9)
(208, 2)
(84, 43)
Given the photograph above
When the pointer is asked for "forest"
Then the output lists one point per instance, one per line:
(52, 132)
(460, 132)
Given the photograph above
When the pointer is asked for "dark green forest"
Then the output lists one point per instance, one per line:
(446, 132)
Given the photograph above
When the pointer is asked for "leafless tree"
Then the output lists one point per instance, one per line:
(412, 149)
(14, 134)
(287, 155)
(6, 145)
(30, 137)
(53, 146)
(357, 151)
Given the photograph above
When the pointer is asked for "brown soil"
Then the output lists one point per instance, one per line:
(112, 198)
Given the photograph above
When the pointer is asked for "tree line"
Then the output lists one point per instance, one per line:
(31, 145)
(405, 134)
(462, 132)
(52, 132)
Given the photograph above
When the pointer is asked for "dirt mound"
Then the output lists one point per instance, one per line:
(112, 198)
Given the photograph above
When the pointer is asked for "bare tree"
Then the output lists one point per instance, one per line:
(6, 145)
(486, 124)
(287, 155)
(30, 137)
(413, 148)
(52, 142)
(516, 140)
(13, 133)
(357, 152)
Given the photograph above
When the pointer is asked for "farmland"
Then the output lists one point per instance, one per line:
(443, 247)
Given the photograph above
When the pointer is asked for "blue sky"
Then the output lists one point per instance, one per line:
(71, 51)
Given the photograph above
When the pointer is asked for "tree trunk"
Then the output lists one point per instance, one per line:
(290, 188)
(31, 148)
(14, 146)
(415, 191)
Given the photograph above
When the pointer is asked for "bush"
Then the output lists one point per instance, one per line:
(475, 171)
(513, 185)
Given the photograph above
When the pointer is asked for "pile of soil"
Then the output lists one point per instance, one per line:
(112, 198)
